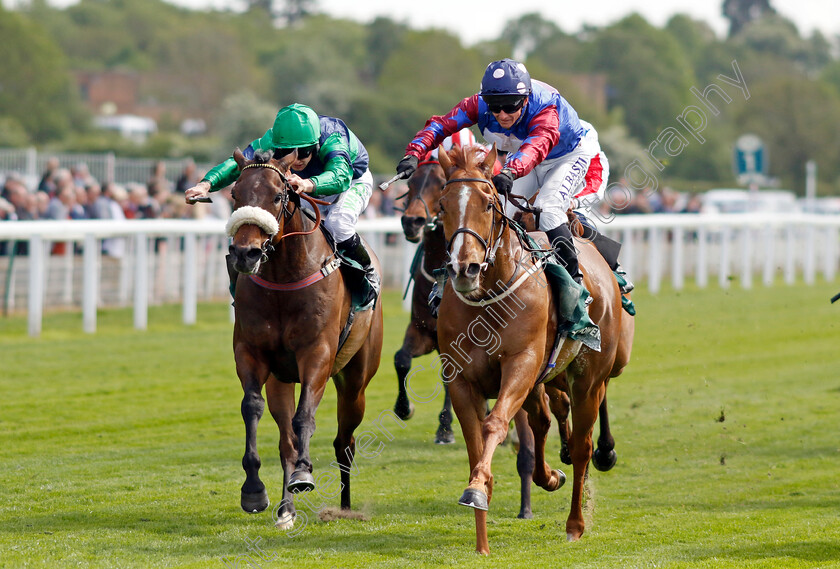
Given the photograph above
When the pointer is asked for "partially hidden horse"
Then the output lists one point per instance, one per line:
(293, 325)
(420, 224)
(497, 327)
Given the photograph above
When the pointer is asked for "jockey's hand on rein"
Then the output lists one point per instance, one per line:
(407, 166)
(503, 181)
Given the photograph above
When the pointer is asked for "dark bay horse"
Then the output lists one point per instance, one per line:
(497, 328)
(291, 307)
(420, 224)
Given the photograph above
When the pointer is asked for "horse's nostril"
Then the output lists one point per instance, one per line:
(451, 271)
(253, 254)
(473, 269)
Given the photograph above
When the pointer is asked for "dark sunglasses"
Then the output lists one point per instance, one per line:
(509, 108)
(302, 153)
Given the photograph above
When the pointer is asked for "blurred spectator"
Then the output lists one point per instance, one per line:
(374, 208)
(47, 182)
(158, 182)
(639, 203)
(81, 175)
(60, 206)
(7, 211)
(112, 200)
(693, 205)
(42, 203)
(139, 204)
(188, 178)
(95, 203)
(17, 194)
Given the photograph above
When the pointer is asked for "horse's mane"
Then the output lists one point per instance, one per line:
(468, 158)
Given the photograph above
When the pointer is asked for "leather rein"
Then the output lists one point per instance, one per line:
(490, 248)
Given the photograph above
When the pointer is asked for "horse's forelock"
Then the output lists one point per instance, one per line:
(262, 156)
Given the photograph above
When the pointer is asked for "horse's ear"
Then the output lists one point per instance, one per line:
(443, 158)
(239, 158)
(490, 160)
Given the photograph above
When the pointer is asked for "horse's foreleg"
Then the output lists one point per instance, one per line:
(444, 435)
(281, 403)
(524, 463)
(313, 380)
(584, 413)
(416, 343)
(469, 408)
(254, 497)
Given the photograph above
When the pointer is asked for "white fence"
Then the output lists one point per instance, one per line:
(183, 260)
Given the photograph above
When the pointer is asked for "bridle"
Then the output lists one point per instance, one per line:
(491, 244)
(286, 197)
(431, 221)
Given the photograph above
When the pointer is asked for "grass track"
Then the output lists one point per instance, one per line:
(123, 449)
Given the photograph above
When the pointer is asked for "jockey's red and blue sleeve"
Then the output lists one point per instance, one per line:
(464, 114)
(543, 135)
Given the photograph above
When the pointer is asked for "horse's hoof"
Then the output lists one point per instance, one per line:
(603, 461)
(473, 498)
(561, 476)
(404, 411)
(255, 502)
(286, 521)
(444, 436)
(301, 481)
(565, 455)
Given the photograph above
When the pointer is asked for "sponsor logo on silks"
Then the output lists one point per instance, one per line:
(575, 174)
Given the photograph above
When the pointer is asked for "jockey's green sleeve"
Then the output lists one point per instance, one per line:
(337, 157)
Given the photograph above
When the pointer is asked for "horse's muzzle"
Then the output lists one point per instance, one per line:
(246, 260)
(464, 277)
(413, 227)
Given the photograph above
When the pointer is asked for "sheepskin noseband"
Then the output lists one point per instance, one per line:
(250, 215)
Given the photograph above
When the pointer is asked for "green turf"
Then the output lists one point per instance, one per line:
(123, 449)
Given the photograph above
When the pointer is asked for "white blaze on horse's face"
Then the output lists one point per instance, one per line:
(458, 241)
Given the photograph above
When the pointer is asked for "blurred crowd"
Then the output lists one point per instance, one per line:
(73, 193)
(624, 200)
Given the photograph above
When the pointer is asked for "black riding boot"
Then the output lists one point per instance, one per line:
(564, 250)
(353, 248)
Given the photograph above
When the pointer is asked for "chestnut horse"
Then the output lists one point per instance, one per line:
(420, 223)
(291, 307)
(492, 285)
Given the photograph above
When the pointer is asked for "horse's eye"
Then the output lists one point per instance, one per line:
(440, 205)
(232, 195)
(489, 206)
(278, 198)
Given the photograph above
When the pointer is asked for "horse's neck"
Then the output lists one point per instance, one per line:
(298, 256)
(501, 273)
(434, 249)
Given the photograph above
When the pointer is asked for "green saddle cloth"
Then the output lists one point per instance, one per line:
(570, 299)
(361, 297)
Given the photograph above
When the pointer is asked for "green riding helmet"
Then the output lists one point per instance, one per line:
(296, 126)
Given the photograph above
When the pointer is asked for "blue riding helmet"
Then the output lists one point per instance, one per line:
(505, 77)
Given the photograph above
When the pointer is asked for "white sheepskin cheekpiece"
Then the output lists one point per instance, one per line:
(250, 215)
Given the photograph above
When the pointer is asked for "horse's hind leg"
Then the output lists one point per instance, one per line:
(539, 420)
(524, 463)
(281, 403)
(558, 402)
(604, 457)
(584, 412)
(254, 497)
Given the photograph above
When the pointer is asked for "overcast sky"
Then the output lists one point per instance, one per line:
(478, 20)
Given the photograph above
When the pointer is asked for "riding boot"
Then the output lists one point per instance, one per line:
(354, 249)
(565, 252)
(627, 286)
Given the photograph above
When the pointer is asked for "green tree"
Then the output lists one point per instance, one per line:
(36, 90)
(649, 74)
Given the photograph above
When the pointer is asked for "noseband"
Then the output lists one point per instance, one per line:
(431, 221)
(490, 248)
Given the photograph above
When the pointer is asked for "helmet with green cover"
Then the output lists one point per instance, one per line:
(296, 126)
